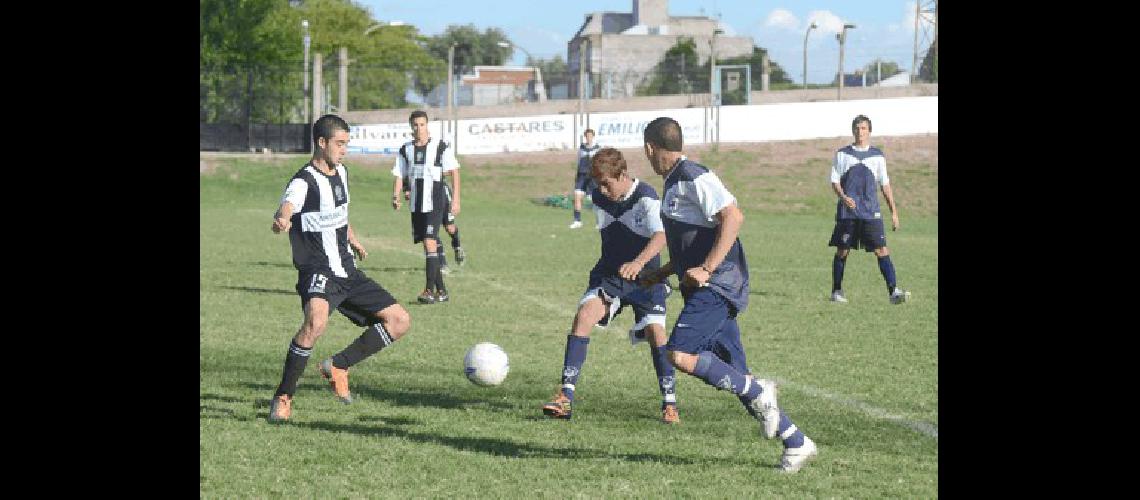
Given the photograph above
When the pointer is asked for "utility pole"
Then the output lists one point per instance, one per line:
(342, 81)
(842, 37)
(305, 71)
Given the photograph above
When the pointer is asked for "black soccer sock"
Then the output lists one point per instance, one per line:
(370, 342)
(455, 238)
(431, 268)
(837, 265)
(442, 257)
(439, 288)
(295, 361)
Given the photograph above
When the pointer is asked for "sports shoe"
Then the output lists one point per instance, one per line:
(669, 414)
(460, 256)
(558, 407)
(280, 408)
(837, 296)
(765, 407)
(899, 296)
(576, 224)
(338, 380)
(794, 459)
(426, 297)
(442, 296)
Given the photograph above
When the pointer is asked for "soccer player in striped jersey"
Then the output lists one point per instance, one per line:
(423, 161)
(582, 181)
(314, 212)
(701, 222)
(629, 219)
(860, 167)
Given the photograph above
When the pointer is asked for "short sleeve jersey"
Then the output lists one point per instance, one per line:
(422, 167)
(319, 231)
(693, 197)
(861, 172)
(626, 226)
(585, 156)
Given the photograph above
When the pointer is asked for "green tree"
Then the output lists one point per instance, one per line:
(472, 47)
(890, 68)
(396, 59)
(678, 72)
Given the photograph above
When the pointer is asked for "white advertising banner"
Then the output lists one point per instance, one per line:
(510, 134)
(384, 138)
(626, 129)
(756, 123)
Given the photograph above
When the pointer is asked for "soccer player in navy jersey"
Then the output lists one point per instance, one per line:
(860, 167)
(314, 212)
(701, 222)
(629, 220)
(582, 182)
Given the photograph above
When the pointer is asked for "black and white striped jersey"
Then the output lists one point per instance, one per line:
(319, 231)
(422, 167)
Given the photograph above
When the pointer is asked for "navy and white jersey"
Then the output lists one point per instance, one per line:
(861, 173)
(626, 226)
(585, 156)
(319, 231)
(693, 197)
(423, 167)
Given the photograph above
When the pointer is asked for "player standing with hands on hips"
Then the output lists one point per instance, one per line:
(314, 212)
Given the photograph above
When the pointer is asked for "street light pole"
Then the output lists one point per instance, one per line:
(305, 24)
(808, 32)
(842, 37)
(450, 78)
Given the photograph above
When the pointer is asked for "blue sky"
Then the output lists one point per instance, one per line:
(884, 28)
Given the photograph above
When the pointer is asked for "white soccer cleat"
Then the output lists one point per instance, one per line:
(765, 407)
(794, 459)
(899, 296)
(576, 224)
(837, 296)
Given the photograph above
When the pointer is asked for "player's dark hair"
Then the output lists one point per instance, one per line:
(664, 132)
(589, 131)
(326, 126)
(608, 162)
(416, 114)
(860, 118)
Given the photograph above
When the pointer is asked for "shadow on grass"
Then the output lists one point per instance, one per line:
(253, 289)
(399, 397)
(496, 447)
(363, 267)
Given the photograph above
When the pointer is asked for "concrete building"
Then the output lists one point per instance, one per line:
(622, 48)
(490, 85)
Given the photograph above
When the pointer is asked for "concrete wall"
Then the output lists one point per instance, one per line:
(570, 106)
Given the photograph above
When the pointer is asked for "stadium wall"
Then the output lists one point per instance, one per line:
(623, 129)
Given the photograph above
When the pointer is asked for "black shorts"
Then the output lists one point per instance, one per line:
(851, 233)
(357, 297)
(426, 224)
(583, 183)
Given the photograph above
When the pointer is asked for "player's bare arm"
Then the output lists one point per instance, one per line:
(847, 200)
(731, 218)
(357, 247)
(397, 190)
(629, 270)
(891, 204)
(657, 276)
(281, 219)
(454, 191)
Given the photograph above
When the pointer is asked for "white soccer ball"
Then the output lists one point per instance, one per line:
(486, 364)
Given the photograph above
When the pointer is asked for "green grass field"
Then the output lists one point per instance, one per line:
(861, 379)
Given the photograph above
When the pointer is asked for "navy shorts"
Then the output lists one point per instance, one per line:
(648, 303)
(851, 233)
(708, 323)
(583, 183)
(357, 297)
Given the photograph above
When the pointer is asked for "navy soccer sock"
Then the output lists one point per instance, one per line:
(793, 439)
(295, 361)
(837, 266)
(715, 372)
(666, 379)
(888, 270)
(370, 342)
(572, 362)
(578, 215)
